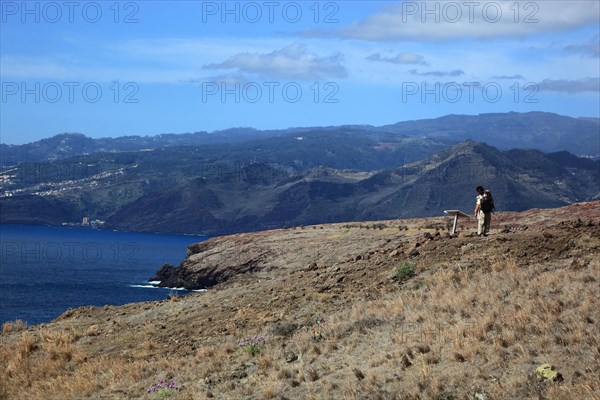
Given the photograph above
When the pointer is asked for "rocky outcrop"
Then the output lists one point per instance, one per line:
(201, 277)
(214, 261)
(319, 247)
(219, 259)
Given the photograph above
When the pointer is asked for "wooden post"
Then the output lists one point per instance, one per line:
(456, 213)
(454, 225)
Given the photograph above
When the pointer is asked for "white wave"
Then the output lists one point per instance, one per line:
(154, 285)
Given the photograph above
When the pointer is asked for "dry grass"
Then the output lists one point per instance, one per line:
(454, 331)
(489, 326)
(48, 365)
(9, 327)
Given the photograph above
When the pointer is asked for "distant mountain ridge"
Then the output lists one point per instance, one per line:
(246, 180)
(99, 184)
(67, 145)
(169, 190)
(543, 131)
(519, 179)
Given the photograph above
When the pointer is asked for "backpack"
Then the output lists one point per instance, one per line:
(487, 204)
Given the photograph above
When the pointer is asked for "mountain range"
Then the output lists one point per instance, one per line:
(543, 131)
(519, 180)
(100, 184)
(334, 175)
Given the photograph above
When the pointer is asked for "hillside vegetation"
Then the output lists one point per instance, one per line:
(393, 309)
(343, 176)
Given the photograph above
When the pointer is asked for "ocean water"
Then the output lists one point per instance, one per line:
(46, 270)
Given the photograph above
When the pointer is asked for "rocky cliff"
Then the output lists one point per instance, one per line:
(260, 254)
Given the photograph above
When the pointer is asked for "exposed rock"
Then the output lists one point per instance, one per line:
(93, 330)
(290, 357)
(285, 329)
(394, 253)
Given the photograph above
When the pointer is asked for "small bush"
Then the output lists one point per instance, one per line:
(162, 390)
(253, 345)
(316, 334)
(419, 284)
(379, 226)
(445, 395)
(437, 227)
(405, 270)
(18, 325)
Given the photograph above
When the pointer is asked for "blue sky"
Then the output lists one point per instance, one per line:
(150, 67)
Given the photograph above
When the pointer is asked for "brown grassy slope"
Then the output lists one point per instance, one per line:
(476, 319)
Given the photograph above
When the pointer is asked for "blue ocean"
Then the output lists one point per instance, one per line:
(45, 270)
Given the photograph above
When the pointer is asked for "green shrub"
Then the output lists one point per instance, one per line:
(405, 270)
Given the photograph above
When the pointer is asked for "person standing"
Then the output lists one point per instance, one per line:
(484, 205)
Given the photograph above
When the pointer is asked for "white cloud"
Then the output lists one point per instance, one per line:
(400, 58)
(570, 86)
(454, 73)
(35, 67)
(58, 69)
(226, 79)
(186, 52)
(182, 61)
(590, 49)
(443, 21)
(291, 62)
(512, 77)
